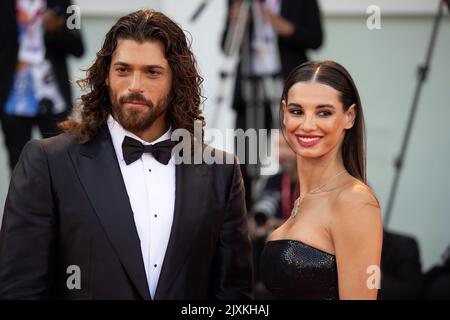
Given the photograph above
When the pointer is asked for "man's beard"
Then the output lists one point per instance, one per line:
(136, 120)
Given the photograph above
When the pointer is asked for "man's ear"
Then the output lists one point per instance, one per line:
(350, 115)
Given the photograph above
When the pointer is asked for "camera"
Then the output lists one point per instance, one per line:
(266, 207)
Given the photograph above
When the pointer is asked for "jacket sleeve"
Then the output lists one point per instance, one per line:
(232, 276)
(308, 32)
(27, 234)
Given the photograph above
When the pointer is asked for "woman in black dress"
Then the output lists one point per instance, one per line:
(330, 247)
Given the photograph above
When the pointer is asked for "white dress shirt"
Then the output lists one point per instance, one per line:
(151, 189)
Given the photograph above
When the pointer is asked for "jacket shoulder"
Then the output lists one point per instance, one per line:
(224, 165)
(216, 156)
(58, 144)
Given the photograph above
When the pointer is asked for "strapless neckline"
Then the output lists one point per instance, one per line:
(292, 269)
(302, 243)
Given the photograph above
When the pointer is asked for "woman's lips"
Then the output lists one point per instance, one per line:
(308, 141)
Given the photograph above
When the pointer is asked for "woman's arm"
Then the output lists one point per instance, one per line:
(357, 233)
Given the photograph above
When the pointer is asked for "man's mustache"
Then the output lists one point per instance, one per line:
(136, 97)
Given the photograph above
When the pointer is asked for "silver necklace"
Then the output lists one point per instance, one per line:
(315, 190)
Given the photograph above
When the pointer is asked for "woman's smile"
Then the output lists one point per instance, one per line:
(308, 141)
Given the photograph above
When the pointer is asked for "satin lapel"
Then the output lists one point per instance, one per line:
(100, 175)
(192, 183)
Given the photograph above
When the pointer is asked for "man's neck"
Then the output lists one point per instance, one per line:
(153, 132)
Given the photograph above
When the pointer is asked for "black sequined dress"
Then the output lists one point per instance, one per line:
(292, 269)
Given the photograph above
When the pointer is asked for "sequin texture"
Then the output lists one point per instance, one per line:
(292, 269)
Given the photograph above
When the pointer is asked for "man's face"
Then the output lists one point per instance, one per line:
(139, 81)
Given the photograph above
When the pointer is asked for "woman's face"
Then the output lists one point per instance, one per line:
(315, 120)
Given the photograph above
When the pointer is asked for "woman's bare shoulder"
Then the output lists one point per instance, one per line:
(356, 203)
(355, 194)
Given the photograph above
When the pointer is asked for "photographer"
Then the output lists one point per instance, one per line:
(274, 42)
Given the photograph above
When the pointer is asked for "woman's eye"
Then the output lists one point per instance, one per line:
(296, 112)
(325, 113)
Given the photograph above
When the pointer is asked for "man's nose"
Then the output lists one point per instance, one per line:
(136, 84)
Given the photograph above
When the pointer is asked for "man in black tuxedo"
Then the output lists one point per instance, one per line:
(102, 211)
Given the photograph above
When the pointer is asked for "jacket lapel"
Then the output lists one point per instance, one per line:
(100, 175)
(191, 180)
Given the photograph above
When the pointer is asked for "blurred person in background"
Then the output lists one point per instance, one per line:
(436, 281)
(276, 39)
(34, 79)
(401, 272)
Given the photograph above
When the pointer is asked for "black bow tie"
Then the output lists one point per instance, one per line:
(133, 149)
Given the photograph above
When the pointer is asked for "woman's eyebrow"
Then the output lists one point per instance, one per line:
(325, 105)
(320, 106)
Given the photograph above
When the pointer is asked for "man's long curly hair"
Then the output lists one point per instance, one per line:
(143, 25)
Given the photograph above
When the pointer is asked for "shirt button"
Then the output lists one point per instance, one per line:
(156, 215)
(155, 265)
(149, 170)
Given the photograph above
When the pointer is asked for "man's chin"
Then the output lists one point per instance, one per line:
(140, 112)
(135, 126)
(134, 121)
(135, 118)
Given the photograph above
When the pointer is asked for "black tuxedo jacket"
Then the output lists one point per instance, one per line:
(67, 206)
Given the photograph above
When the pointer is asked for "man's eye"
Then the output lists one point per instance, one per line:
(153, 72)
(121, 70)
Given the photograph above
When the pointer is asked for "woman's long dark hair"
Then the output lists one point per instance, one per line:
(142, 25)
(336, 76)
